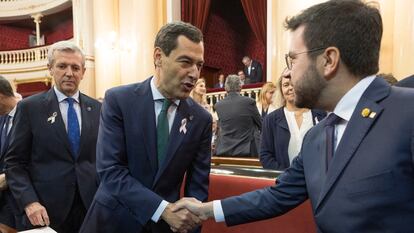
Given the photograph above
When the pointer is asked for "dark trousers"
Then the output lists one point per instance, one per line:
(75, 218)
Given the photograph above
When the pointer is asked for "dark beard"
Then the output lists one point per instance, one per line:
(307, 93)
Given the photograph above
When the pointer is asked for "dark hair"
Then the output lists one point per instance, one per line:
(350, 25)
(5, 87)
(166, 38)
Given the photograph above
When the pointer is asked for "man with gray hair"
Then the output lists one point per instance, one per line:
(239, 122)
(50, 163)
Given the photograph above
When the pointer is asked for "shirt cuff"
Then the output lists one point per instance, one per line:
(156, 216)
(218, 211)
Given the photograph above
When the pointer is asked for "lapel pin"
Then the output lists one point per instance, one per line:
(191, 117)
(88, 109)
(372, 115)
(183, 129)
(52, 118)
(316, 120)
(365, 112)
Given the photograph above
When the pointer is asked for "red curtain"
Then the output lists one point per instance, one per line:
(195, 12)
(255, 12)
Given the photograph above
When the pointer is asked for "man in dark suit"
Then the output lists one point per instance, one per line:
(51, 159)
(406, 82)
(152, 135)
(239, 122)
(357, 165)
(220, 84)
(8, 102)
(253, 70)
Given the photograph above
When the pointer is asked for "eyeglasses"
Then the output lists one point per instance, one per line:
(289, 56)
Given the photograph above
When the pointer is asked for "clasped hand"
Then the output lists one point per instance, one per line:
(184, 215)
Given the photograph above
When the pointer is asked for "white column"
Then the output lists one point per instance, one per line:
(83, 36)
(37, 20)
(106, 25)
(139, 22)
(403, 60)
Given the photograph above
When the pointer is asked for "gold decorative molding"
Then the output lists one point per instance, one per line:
(23, 70)
(46, 80)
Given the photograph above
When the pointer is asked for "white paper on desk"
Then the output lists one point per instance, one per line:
(40, 230)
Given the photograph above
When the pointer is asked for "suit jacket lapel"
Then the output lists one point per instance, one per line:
(86, 108)
(281, 120)
(2, 150)
(176, 135)
(145, 108)
(356, 130)
(58, 126)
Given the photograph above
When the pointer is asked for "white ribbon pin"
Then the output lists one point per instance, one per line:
(52, 118)
(183, 129)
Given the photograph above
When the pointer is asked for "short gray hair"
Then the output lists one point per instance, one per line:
(65, 46)
(233, 83)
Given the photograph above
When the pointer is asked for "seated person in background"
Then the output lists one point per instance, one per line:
(199, 94)
(220, 84)
(239, 122)
(406, 82)
(243, 79)
(389, 78)
(265, 103)
(283, 130)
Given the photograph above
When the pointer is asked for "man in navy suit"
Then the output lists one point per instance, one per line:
(8, 102)
(253, 70)
(50, 164)
(357, 165)
(151, 135)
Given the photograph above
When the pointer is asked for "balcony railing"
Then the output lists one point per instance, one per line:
(24, 55)
(217, 94)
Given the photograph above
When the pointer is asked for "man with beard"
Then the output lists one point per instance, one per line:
(151, 135)
(356, 169)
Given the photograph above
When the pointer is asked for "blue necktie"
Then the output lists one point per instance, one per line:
(73, 128)
(163, 132)
(330, 123)
(4, 133)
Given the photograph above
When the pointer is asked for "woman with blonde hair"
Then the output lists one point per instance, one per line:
(266, 97)
(199, 93)
(283, 129)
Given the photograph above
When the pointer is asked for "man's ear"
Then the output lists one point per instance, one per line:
(331, 58)
(49, 67)
(157, 57)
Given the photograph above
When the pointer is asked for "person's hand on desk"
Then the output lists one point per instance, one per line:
(37, 214)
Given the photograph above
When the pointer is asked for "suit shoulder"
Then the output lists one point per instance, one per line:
(197, 109)
(276, 113)
(33, 99)
(90, 99)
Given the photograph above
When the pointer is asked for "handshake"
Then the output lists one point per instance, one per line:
(187, 214)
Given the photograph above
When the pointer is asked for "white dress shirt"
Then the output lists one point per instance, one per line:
(344, 109)
(172, 110)
(64, 105)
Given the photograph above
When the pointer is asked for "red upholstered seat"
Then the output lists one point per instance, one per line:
(298, 220)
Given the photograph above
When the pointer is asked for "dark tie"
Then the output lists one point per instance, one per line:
(330, 123)
(162, 131)
(73, 128)
(4, 133)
